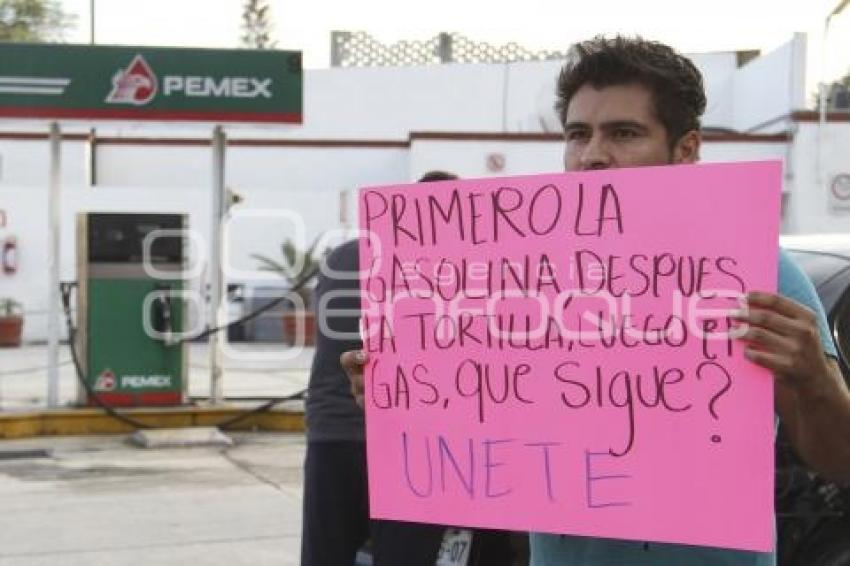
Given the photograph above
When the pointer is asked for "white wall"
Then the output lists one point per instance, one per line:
(274, 168)
(743, 151)
(529, 103)
(25, 163)
(718, 71)
(389, 102)
(770, 86)
(468, 159)
(810, 210)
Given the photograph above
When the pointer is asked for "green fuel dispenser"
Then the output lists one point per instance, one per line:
(130, 307)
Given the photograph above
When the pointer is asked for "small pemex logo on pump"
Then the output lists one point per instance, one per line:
(105, 381)
(135, 84)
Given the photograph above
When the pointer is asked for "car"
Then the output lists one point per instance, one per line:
(813, 514)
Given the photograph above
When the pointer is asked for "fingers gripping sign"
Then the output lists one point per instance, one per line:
(812, 399)
(782, 336)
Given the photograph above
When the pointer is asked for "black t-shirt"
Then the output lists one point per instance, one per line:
(331, 411)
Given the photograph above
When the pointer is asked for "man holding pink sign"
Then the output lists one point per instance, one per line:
(608, 448)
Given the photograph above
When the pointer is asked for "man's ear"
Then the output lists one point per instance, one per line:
(686, 149)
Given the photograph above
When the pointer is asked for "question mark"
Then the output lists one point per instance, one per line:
(711, 409)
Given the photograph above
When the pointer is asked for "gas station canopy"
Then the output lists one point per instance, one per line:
(52, 83)
(77, 82)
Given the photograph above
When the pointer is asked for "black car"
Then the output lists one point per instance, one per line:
(814, 514)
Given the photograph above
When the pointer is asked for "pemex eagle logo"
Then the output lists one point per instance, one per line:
(134, 85)
(105, 381)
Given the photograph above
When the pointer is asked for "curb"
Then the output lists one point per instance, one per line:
(88, 421)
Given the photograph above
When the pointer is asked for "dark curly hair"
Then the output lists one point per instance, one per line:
(436, 175)
(674, 81)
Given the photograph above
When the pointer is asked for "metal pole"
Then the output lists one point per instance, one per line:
(93, 131)
(91, 22)
(822, 104)
(53, 229)
(822, 98)
(216, 271)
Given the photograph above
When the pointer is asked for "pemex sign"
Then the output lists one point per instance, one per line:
(150, 83)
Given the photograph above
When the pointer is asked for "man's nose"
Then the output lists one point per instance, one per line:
(595, 156)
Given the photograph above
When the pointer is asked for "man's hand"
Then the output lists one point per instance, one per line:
(353, 362)
(811, 397)
(783, 337)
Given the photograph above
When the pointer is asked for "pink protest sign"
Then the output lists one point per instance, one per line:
(552, 353)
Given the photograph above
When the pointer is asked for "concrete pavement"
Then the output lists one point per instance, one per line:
(101, 501)
(98, 500)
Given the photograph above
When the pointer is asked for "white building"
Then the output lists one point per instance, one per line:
(384, 125)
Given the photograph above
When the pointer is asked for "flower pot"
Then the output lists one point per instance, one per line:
(299, 328)
(11, 328)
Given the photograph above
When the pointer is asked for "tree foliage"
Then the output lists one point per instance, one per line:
(33, 21)
(837, 95)
(257, 25)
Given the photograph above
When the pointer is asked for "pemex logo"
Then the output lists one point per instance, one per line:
(134, 85)
(105, 381)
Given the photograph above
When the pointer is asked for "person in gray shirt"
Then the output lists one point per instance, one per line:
(336, 504)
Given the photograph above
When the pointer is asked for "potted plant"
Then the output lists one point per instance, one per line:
(11, 322)
(299, 323)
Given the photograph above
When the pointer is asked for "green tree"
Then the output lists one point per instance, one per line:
(256, 25)
(837, 94)
(33, 20)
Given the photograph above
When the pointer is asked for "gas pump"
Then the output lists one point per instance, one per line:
(130, 273)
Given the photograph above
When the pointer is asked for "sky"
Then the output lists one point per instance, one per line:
(691, 27)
